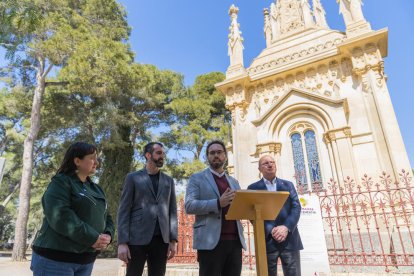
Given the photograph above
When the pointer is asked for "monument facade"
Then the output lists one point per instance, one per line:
(315, 98)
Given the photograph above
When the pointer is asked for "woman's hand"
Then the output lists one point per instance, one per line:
(102, 242)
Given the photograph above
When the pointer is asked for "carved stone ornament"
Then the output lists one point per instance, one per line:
(241, 110)
(335, 134)
(347, 132)
(368, 60)
(329, 137)
(289, 58)
(271, 148)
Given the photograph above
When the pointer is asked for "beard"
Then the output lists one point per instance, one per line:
(216, 164)
(158, 162)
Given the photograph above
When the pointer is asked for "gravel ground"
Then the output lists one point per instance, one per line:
(102, 267)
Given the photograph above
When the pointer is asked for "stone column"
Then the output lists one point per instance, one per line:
(328, 143)
(234, 169)
(331, 139)
(230, 159)
(369, 67)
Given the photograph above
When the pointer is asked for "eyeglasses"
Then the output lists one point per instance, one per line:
(214, 152)
(160, 153)
(268, 164)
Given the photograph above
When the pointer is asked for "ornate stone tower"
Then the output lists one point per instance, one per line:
(315, 98)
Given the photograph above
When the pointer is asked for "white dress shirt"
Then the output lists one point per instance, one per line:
(216, 173)
(270, 185)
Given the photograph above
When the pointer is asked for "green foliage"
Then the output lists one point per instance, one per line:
(183, 169)
(6, 225)
(97, 94)
(199, 116)
(37, 36)
(14, 107)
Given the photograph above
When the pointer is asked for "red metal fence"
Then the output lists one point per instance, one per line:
(185, 252)
(367, 224)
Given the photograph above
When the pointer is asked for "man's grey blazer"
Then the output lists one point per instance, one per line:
(201, 200)
(140, 207)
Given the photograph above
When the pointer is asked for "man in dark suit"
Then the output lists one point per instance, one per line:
(147, 216)
(282, 235)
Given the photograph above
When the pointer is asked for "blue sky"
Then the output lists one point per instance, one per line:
(190, 37)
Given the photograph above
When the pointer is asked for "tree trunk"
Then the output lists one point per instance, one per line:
(3, 144)
(118, 158)
(9, 197)
(199, 148)
(117, 164)
(20, 234)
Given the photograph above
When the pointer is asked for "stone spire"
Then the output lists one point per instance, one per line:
(307, 14)
(319, 13)
(267, 28)
(275, 20)
(354, 19)
(235, 44)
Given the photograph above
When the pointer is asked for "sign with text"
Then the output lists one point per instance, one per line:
(314, 256)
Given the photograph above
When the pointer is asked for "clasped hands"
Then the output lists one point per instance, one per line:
(102, 242)
(279, 233)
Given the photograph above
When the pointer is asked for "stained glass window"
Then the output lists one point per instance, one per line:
(298, 159)
(313, 158)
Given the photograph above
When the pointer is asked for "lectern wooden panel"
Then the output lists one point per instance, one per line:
(257, 206)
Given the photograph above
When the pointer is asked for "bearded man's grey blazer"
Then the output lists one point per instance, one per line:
(140, 208)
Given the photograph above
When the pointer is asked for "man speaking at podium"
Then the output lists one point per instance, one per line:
(208, 196)
(282, 235)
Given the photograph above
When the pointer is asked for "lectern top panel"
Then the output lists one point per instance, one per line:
(245, 203)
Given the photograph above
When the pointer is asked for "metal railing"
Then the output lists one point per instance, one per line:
(367, 223)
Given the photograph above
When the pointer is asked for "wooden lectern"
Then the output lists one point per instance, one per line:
(257, 206)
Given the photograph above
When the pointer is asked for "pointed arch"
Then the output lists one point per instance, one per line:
(295, 110)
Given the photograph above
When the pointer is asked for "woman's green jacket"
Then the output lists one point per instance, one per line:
(75, 213)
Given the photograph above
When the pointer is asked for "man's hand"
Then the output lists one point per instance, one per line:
(123, 253)
(172, 248)
(227, 197)
(279, 233)
(102, 242)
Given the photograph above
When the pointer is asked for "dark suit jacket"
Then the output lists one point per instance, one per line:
(140, 207)
(288, 216)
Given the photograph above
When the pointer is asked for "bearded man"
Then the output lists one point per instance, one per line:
(147, 216)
